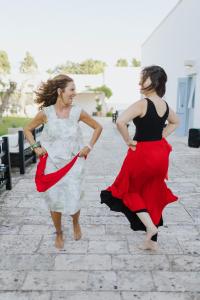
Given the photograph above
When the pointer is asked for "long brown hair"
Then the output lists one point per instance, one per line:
(158, 78)
(47, 93)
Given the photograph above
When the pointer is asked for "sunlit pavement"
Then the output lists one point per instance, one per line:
(106, 264)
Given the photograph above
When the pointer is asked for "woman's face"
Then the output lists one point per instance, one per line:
(144, 85)
(69, 93)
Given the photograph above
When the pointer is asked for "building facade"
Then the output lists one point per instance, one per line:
(175, 45)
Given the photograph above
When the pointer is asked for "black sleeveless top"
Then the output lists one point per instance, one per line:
(150, 127)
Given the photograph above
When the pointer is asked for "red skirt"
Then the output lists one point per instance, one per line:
(140, 185)
(45, 181)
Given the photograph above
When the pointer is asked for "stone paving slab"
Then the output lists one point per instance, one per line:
(106, 264)
(25, 296)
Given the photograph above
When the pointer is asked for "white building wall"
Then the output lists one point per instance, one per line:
(83, 81)
(174, 41)
(124, 83)
(87, 101)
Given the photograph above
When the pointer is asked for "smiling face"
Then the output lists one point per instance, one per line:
(68, 93)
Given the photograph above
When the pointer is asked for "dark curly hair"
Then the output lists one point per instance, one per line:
(158, 79)
(47, 93)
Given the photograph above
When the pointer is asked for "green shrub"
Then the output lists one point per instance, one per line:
(12, 122)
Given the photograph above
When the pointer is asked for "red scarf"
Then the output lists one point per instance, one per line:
(45, 181)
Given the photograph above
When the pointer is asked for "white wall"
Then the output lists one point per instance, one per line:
(87, 101)
(123, 82)
(174, 41)
(83, 82)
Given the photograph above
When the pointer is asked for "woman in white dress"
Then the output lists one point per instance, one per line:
(62, 140)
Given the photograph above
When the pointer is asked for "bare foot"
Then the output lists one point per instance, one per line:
(149, 245)
(77, 231)
(59, 241)
(154, 245)
(150, 232)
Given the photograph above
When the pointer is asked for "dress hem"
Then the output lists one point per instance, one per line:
(116, 204)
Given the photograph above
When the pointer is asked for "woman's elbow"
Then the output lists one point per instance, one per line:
(119, 123)
(177, 122)
(26, 130)
(99, 127)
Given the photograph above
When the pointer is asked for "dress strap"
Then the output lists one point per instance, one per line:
(46, 110)
(76, 112)
(167, 111)
(151, 104)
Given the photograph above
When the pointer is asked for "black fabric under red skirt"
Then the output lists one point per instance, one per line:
(140, 185)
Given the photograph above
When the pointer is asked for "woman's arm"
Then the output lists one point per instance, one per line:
(85, 117)
(130, 113)
(38, 120)
(173, 122)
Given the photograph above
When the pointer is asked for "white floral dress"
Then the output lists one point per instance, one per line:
(62, 138)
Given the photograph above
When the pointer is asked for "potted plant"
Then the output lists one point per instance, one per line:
(99, 107)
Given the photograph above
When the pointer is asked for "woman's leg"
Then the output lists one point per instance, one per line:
(152, 232)
(76, 226)
(151, 244)
(151, 229)
(56, 217)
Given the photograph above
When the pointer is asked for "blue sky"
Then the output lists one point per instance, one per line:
(57, 31)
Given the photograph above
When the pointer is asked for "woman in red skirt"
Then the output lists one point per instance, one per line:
(140, 191)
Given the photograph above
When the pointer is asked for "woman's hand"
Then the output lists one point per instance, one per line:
(40, 151)
(84, 151)
(132, 144)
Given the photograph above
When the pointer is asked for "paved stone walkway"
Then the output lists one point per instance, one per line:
(106, 264)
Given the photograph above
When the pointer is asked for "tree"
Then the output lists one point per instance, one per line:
(135, 62)
(91, 66)
(103, 89)
(69, 67)
(4, 63)
(28, 65)
(121, 62)
(88, 66)
(6, 90)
